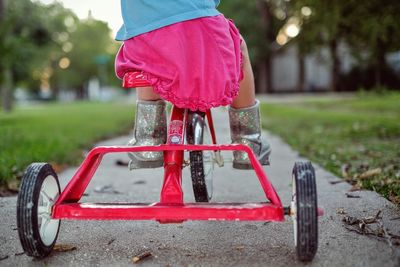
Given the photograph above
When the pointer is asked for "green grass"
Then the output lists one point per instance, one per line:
(347, 137)
(56, 133)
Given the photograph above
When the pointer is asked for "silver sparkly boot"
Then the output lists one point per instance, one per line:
(150, 129)
(245, 124)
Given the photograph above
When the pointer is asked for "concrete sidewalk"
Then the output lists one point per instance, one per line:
(114, 243)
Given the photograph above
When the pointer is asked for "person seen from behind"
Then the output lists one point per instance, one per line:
(194, 58)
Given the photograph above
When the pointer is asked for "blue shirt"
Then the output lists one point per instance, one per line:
(141, 16)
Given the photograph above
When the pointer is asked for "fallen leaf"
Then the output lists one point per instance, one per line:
(350, 220)
(120, 162)
(63, 248)
(3, 257)
(239, 247)
(340, 211)
(251, 226)
(5, 192)
(337, 182)
(370, 173)
(352, 196)
(355, 187)
(345, 170)
(141, 256)
(371, 225)
(395, 199)
(57, 167)
(140, 182)
(109, 189)
(13, 186)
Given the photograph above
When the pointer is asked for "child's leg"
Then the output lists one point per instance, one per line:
(147, 94)
(245, 119)
(246, 97)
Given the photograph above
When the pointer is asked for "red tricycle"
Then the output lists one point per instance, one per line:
(41, 204)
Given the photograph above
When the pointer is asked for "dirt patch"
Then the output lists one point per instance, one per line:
(7, 192)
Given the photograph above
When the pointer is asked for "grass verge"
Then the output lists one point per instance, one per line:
(357, 139)
(56, 133)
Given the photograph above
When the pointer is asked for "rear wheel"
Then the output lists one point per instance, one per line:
(304, 211)
(38, 192)
(201, 162)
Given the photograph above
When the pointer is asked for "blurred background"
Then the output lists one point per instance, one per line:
(64, 50)
(49, 52)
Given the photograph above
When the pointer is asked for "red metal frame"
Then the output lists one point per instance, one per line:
(67, 207)
(171, 207)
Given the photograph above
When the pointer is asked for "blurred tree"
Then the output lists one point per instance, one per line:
(91, 56)
(25, 44)
(326, 25)
(259, 24)
(58, 22)
(50, 49)
(374, 31)
(369, 28)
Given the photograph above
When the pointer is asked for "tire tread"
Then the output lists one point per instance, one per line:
(307, 215)
(196, 159)
(27, 223)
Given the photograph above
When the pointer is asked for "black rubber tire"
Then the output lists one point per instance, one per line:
(197, 121)
(27, 210)
(306, 211)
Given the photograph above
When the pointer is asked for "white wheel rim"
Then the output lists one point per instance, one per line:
(208, 163)
(293, 210)
(48, 227)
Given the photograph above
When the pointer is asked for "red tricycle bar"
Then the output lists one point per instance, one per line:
(170, 213)
(66, 207)
(76, 187)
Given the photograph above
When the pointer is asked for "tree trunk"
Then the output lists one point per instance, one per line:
(380, 64)
(262, 78)
(2, 10)
(269, 67)
(335, 65)
(56, 92)
(82, 92)
(302, 71)
(5, 69)
(267, 20)
(6, 89)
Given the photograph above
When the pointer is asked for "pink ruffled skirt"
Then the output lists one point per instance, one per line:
(194, 64)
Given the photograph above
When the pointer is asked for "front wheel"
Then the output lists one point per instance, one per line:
(201, 162)
(304, 210)
(38, 192)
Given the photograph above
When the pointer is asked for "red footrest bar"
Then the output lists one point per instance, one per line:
(169, 212)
